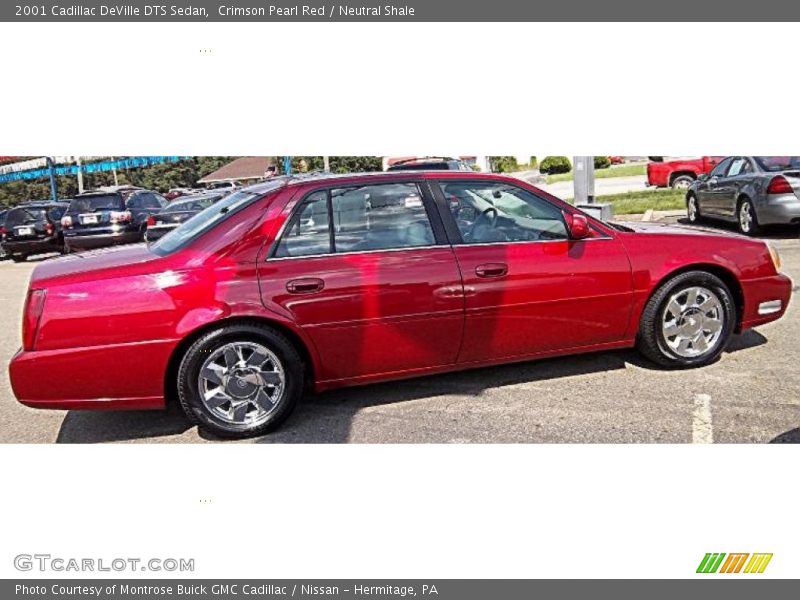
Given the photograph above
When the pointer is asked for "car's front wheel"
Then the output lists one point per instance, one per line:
(688, 321)
(692, 209)
(240, 380)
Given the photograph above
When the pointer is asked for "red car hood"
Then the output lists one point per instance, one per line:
(92, 262)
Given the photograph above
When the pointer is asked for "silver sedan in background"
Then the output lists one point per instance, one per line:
(751, 191)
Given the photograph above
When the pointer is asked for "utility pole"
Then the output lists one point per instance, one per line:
(80, 176)
(583, 179)
(287, 165)
(114, 171)
(326, 164)
(53, 185)
(584, 189)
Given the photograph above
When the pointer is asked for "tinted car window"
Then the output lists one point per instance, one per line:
(189, 205)
(421, 166)
(498, 212)
(144, 201)
(775, 164)
(380, 217)
(24, 216)
(308, 232)
(95, 203)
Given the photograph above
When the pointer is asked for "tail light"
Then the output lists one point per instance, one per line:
(48, 228)
(151, 220)
(3, 231)
(34, 306)
(120, 216)
(66, 222)
(779, 185)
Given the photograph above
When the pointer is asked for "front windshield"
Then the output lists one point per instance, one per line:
(202, 222)
(775, 164)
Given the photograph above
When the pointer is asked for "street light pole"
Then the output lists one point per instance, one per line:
(326, 164)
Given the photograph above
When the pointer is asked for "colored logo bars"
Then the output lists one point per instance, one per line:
(713, 563)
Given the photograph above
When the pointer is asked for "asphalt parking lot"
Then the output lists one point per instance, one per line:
(751, 395)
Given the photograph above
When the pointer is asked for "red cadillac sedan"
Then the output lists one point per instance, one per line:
(328, 281)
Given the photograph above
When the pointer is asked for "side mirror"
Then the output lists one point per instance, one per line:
(702, 177)
(578, 226)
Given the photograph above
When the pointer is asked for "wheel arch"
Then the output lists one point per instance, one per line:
(726, 275)
(680, 173)
(302, 347)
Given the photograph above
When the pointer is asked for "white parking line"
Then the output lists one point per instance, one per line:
(702, 432)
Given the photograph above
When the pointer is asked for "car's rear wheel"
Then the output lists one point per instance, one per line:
(19, 257)
(688, 321)
(682, 182)
(746, 217)
(693, 209)
(240, 380)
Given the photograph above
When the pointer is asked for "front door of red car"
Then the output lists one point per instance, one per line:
(366, 271)
(529, 288)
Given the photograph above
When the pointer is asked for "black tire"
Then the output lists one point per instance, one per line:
(18, 258)
(189, 393)
(693, 216)
(652, 340)
(682, 182)
(745, 204)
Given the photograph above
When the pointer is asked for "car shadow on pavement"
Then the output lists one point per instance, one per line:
(788, 437)
(93, 426)
(328, 417)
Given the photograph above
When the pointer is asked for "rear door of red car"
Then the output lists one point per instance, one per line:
(528, 288)
(366, 271)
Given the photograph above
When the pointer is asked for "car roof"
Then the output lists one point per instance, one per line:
(41, 204)
(305, 179)
(91, 193)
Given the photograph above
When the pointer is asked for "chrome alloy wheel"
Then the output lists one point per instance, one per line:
(241, 383)
(746, 217)
(693, 321)
(692, 209)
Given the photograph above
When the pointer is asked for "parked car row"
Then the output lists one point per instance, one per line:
(94, 219)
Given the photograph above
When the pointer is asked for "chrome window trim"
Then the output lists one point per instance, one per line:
(349, 253)
(430, 247)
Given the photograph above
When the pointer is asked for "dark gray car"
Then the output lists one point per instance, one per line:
(751, 191)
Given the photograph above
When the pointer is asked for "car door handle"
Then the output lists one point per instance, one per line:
(491, 270)
(308, 285)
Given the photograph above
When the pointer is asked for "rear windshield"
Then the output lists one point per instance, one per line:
(190, 205)
(431, 166)
(94, 203)
(775, 164)
(203, 221)
(23, 216)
